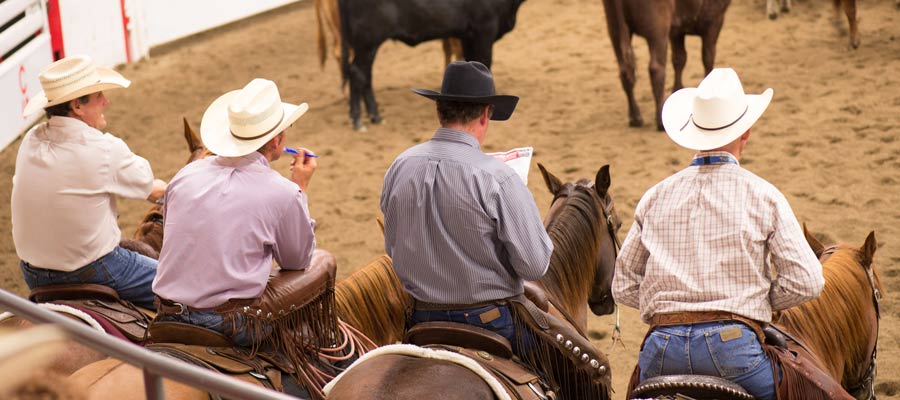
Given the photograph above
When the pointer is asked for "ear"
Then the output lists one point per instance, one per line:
(868, 250)
(553, 183)
(194, 143)
(817, 247)
(602, 181)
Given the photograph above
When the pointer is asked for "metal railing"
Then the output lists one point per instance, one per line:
(155, 366)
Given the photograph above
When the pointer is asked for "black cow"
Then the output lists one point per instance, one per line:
(366, 24)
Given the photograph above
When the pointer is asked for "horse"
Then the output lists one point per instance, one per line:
(839, 329)
(849, 9)
(659, 21)
(582, 223)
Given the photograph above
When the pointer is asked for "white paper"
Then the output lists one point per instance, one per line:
(519, 159)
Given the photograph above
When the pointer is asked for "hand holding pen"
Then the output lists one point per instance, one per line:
(303, 165)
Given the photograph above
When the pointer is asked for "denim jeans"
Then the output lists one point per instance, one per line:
(712, 348)
(503, 325)
(129, 273)
(214, 321)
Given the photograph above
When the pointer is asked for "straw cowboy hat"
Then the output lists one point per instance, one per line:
(713, 114)
(241, 121)
(472, 82)
(71, 78)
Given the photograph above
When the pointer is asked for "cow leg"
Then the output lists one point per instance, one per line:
(679, 59)
(358, 84)
(479, 49)
(850, 10)
(368, 93)
(658, 48)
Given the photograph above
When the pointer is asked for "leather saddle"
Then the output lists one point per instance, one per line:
(698, 387)
(98, 300)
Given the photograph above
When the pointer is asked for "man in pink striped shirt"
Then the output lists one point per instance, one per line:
(714, 249)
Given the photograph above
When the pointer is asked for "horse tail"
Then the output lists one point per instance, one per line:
(320, 34)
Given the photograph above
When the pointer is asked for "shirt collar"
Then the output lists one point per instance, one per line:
(453, 135)
(247, 159)
(716, 153)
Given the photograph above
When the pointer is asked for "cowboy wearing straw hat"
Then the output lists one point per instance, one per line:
(228, 216)
(696, 261)
(68, 174)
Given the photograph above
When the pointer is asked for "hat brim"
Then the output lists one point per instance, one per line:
(215, 129)
(108, 80)
(676, 114)
(504, 105)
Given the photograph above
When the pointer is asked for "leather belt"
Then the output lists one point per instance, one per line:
(168, 307)
(698, 317)
(426, 306)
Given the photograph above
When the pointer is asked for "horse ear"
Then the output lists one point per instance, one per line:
(194, 143)
(817, 247)
(868, 250)
(553, 183)
(602, 181)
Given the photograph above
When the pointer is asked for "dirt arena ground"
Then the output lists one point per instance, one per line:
(829, 140)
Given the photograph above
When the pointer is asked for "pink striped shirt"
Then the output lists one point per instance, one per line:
(701, 240)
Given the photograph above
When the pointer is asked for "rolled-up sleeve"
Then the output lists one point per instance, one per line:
(130, 174)
(630, 264)
(520, 228)
(798, 272)
(294, 237)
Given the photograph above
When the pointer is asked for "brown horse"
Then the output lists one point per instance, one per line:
(659, 21)
(582, 223)
(840, 327)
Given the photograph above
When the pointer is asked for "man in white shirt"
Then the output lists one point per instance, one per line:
(68, 174)
(696, 261)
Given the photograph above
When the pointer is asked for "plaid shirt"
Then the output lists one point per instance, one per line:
(700, 242)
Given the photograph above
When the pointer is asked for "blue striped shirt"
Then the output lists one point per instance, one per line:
(460, 225)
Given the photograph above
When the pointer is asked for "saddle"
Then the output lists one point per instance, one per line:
(698, 387)
(228, 361)
(98, 301)
(520, 382)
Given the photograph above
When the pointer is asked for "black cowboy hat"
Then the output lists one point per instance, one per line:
(472, 82)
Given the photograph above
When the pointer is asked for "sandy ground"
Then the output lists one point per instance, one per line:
(829, 140)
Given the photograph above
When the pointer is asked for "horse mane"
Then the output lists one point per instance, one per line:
(575, 233)
(838, 314)
(373, 300)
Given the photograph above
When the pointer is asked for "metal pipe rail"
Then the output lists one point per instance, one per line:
(155, 366)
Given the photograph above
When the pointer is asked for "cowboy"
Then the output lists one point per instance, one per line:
(68, 174)
(228, 216)
(714, 249)
(461, 227)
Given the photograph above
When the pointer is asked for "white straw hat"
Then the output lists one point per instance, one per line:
(241, 121)
(713, 114)
(71, 78)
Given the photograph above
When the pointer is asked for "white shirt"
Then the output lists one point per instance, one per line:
(701, 240)
(63, 197)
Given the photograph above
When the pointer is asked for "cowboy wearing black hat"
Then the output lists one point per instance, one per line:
(460, 225)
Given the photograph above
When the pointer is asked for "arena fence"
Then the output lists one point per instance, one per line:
(155, 366)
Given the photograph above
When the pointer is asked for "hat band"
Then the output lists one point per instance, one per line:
(691, 120)
(260, 135)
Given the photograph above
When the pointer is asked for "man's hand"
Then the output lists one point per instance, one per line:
(302, 168)
(159, 190)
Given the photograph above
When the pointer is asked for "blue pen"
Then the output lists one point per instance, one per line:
(293, 151)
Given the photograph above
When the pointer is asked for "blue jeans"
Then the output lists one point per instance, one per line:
(727, 349)
(129, 273)
(503, 325)
(214, 321)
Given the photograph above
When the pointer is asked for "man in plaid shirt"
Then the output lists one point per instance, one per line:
(714, 249)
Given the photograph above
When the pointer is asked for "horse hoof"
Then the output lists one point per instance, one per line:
(773, 16)
(358, 126)
(377, 120)
(660, 128)
(636, 123)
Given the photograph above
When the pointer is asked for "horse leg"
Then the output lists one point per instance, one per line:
(786, 6)
(479, 49)
(850, 10)
(710, 38)
(625, 56)
(658, 48)
(679, 58)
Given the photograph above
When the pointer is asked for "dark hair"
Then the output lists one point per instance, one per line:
(458, 112)
(63, 109)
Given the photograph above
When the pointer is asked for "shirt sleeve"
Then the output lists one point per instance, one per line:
(631, 263)
(798, 272)
(520, 228)
(294, 237)
(130, 174)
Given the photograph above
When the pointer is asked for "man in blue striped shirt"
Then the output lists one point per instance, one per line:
(462, 228)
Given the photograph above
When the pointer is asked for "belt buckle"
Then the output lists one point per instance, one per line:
(182, 308)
